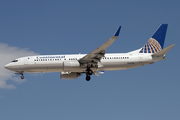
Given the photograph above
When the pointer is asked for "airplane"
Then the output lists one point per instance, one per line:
(96, 62)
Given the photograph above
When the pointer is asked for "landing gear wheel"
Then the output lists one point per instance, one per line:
(22, 77)
(88, 78)
(89, 71)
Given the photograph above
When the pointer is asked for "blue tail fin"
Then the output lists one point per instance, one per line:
(156, 42)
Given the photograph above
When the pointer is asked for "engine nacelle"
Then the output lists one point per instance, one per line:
(67, 75)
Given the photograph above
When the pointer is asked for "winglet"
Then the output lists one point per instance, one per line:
(117, 32)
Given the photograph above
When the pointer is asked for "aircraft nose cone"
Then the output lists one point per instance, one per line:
(7, 66)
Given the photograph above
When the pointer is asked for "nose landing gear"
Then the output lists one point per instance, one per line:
(22, 76)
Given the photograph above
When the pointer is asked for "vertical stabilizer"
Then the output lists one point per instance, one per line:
(156, 42)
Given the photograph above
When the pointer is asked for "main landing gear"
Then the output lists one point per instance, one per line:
(88, 78)
(89, 72)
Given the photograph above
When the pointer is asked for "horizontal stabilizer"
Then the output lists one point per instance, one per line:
(164, 51)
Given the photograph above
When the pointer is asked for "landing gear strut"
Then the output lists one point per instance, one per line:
(20, 73)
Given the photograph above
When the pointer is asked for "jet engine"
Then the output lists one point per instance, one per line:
(67, 75)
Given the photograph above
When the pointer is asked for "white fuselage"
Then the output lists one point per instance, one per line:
(72, 66)
(69, 63)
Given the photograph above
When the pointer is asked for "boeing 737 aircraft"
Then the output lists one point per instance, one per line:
(97, 61)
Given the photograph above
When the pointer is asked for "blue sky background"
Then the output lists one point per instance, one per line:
(150, 92)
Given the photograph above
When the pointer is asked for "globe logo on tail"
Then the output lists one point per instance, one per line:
(152, 46)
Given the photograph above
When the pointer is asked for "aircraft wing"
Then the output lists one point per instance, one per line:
(96, 55)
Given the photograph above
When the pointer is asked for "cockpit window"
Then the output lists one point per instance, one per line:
(15, 61)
